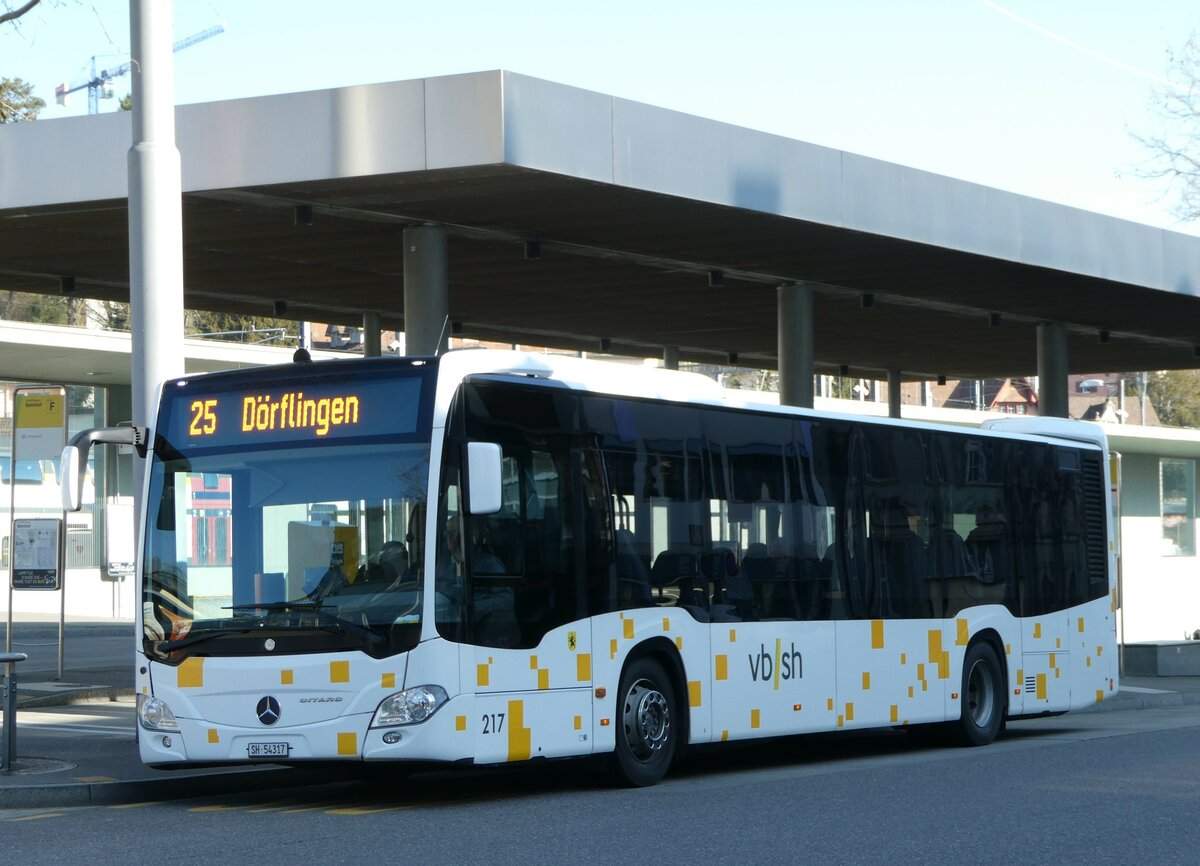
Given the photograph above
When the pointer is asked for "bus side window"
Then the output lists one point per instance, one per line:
(449, 579)
(526, 576)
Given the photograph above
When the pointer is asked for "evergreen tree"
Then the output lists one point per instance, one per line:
(1176, 397)
(17, 102)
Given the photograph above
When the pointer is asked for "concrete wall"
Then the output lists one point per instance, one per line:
(1161, 593)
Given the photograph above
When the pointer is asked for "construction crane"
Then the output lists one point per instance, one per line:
(99, 84)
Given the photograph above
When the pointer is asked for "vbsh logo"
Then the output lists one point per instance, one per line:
(782, 666)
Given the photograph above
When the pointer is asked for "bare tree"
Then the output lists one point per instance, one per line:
(13, 14)
(1175, 147)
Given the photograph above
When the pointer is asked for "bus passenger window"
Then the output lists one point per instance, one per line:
(448, 575)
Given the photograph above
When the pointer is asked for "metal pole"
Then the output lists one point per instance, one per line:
(8, 705)
(671, 357)
(62, 592)
(155, 217)
(12, 506)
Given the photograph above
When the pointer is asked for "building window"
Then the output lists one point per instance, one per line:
(1177, 495)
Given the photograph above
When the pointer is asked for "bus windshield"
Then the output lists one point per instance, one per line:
(274, 540)
(261, 540)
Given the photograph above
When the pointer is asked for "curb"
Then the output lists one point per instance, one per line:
(135, 791)
(64, 698)
(1143, 701)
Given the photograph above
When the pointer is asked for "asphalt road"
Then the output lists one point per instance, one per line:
(1116, 787)
(88, 647)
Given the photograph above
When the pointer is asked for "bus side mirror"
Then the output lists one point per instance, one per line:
(484, 477)
(71, 471)
(73, 463)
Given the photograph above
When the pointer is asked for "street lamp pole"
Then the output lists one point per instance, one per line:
(155, 215)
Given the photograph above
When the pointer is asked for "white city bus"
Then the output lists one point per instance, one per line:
(490, 556)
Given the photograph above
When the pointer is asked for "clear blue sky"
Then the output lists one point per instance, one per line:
(1042, 106)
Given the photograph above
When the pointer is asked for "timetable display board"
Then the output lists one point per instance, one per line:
(39, 433)
(282, 412)
(36, 560)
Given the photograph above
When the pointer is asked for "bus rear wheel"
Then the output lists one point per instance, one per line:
(647, 727)
(983, 697)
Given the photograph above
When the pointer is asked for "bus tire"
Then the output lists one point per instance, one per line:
(983, 696)
(647, 725)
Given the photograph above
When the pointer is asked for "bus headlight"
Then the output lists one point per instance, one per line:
(155, 715)
(409, 707)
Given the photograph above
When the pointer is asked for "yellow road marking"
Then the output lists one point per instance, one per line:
(36, 817)
(290, 807)
(362, 810)
(137, 805)
(272, 805)
(313, 808)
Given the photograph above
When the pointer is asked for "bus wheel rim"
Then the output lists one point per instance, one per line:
(647, 720)
(981, 694)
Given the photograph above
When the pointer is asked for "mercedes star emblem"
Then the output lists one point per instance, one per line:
(268, 710)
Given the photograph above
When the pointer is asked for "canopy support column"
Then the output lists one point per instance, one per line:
(1052, 370)
(426, 290)
(795, 306)
(372, 347)
(893, 382)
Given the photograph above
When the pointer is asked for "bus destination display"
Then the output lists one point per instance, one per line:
(313, 412)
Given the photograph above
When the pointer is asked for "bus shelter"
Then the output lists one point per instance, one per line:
(502, 207)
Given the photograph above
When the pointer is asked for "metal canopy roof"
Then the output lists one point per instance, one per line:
(632, 207)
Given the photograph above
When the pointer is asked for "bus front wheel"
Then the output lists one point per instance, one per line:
(647, 727)
(983, 696)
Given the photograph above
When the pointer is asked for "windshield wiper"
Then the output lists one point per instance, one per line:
(299, 604)
(316, 607)
(200, 637)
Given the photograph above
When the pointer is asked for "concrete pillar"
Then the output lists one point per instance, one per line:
(371, 336)
(426, 290)
(893, 383)
(155, 214)
(671, 357)
(1052, 369)
(373, 518)
(118, 409)
(795, 343)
